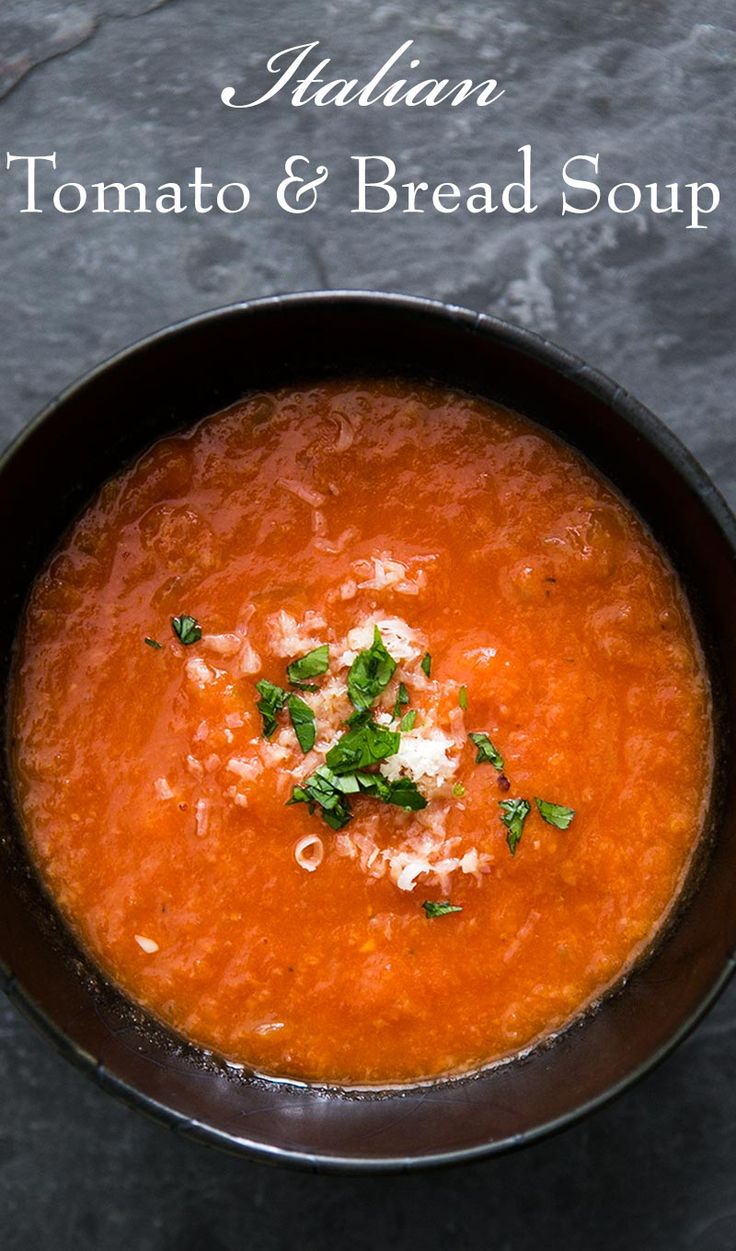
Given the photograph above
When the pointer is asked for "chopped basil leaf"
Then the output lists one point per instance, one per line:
(302, 719)
(337, 817)
(370, 673)
(426, 664)
(363, 745)
(458, 790)
(347, 784)
(405, 794)
(326, 791)
(462, 698)
(270, 704)
(403, 791)
(152, 643)
(554, 814)
(407, 721)
(486, 751)
(359, 717)
(514, 813)
(312, 665)
(402, 698)
(440, 908)
(187, 629)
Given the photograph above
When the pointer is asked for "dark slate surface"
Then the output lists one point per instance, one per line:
(121, 91)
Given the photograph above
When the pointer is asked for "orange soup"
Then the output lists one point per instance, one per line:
(362, 733)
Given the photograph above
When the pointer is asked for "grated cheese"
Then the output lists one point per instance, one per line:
(423, 756)
(199, 672)
(162, 789)
(400, 640)
(202, 817)
(423, 851)
(287, 638)
(247, 770)
(248, 661)
(222, 644)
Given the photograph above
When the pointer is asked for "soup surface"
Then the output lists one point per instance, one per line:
(497, 747)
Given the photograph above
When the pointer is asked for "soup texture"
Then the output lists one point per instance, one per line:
(361, 733)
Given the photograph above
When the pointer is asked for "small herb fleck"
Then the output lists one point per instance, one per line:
(312, 665)
(462, 698)
(458, 790)
(370, 673)
(426, 664)
(152, 643)
(362, 746)
(514, 813)
(402, 699)
(270, 704)
(440, 907)
(403, 791)
(302, 719)
(187, 629)
(326, 791)
(487, 753)
(407, 721)
(554, 814)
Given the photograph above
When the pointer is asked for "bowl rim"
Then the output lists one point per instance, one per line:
(652, 429)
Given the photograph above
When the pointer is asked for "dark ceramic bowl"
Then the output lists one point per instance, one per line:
(181, 375)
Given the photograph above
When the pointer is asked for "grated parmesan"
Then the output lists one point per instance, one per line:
(289, 638)
(423, 756)
(309, 852)
(247, 770)
(202, 817)
(222, 644)
(248, 661)
(400, 640)
(199, 672)
(424, 850)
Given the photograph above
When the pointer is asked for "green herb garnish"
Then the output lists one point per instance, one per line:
(403, 791)
(440, 908)
(462, 698)
(327, 792)
(187, 629)
(514, 813)
(486, 751)
(554, 814)
(458, 790)
(270, 704)
(363, 745)
(302, 719)
(312, 665)
(152, 643)
(402, 698)
(426, 664)
(370, 673)
(407, 721)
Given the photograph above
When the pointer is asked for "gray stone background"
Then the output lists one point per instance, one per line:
(124, 91)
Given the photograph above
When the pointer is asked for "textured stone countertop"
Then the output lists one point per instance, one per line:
(125, 91)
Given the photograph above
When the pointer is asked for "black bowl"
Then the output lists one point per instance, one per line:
(194, 369)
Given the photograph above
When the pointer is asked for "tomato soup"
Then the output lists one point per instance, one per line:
(362, 733)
